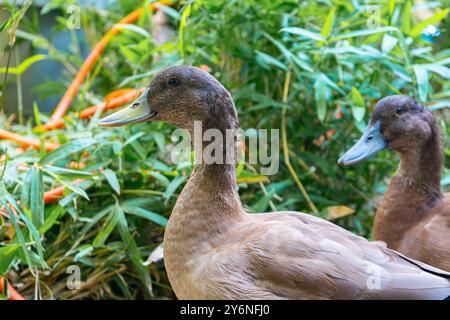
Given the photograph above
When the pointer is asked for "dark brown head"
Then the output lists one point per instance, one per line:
(398, 123)
(180, 95)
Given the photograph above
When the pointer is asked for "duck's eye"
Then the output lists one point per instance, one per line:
(399, 110)
(174, 82)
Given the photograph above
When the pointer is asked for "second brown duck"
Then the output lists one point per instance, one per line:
(414, 216)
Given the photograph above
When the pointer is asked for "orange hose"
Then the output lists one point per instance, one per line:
(54, 194)
(95, 54)
(26, 142)
(13, 294)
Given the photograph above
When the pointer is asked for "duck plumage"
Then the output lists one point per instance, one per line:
(213, 249)
(414, 216)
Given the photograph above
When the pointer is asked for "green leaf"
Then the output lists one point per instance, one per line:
(105, 231)
(160, 140)
(441, 70)
(328, 25)
(30, 226)
(19, 234)
(174, 14)
(55, 213)
(144, 213)
(112, 180)
(25, 191)
(134, 28)
(67, 172)
(304, 33)
(8, 253)
(184, 16)
(67, 149)
(363, 33)
(133, 250)
(262, 204)
(320, 96)
(69, 185)
(173, 186)
(391, 7)
(24, 65)
(266, 60)
(358, 106)
(37, 197)
(406, 17)
(388, 43)
(422, 81)
(417, 30)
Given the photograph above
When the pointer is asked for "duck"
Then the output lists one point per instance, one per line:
(414, 215)
(213, 249)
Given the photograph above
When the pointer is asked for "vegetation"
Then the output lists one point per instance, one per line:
(314, 69)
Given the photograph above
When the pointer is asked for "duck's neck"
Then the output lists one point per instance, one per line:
(210, 198)
(413, 191)
(419, 169)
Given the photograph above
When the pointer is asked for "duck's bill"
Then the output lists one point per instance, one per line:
(138, 111)
(370, 144)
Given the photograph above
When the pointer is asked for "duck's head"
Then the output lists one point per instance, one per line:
(398, 123)
(180, 95)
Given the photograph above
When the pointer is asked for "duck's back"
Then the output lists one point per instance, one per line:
(291, 255)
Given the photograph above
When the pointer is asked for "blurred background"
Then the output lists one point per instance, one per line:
(106, 228)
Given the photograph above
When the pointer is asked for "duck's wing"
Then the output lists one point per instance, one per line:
(429, 240)
(295, 255)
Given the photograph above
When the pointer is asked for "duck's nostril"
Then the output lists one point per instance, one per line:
(135, 105)
(369, 138)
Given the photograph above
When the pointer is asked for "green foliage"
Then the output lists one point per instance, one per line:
(341, 64)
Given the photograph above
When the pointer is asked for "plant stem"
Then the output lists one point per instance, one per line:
(19, 90)
(5, 78)
(287, 161)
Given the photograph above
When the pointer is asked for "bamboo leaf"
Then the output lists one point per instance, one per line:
(104, 233)
(33, 231)
(173, 186)
(144, 213)
(112, 180)
(266, 60)
(7, 254)
(184, 16)
(328, 25)
(37, 197)
(135, 29)
(66, 150)
(132, 248)
(422, 81)
(363, 33)
(416, 31)
(19, 234)
(320, 96)
(358, 106)
(24, 65)
(406, 17)
(304, 33)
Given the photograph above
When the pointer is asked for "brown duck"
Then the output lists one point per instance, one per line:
(414, 216)
(215, 250)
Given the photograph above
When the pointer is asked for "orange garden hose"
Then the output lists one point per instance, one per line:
(95, 54)
(13, 294)
(27, 142)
